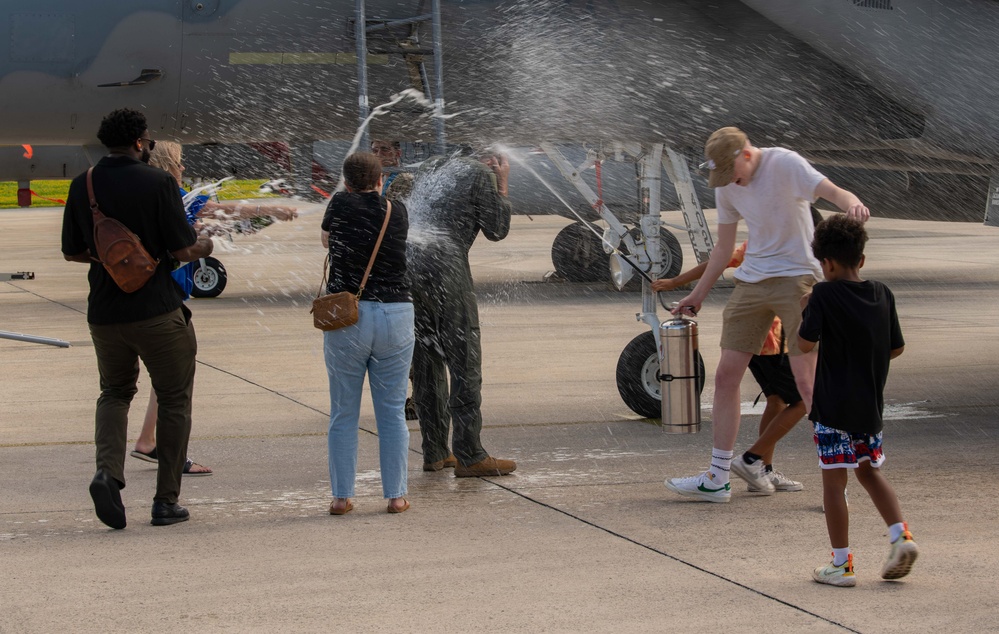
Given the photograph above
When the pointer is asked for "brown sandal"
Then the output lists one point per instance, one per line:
(399, 509)
(347, 508)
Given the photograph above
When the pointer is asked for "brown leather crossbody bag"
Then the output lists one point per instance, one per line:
(118, 248)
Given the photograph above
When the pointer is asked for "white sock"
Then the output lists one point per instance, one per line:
(840, 555)
(895, 531)
(721, 462)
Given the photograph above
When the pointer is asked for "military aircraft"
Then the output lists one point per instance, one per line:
(892, 98)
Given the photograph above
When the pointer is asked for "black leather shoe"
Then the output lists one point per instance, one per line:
(106, 493)
(165, 514)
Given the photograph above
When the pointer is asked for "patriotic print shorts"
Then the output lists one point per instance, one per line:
(843, 450)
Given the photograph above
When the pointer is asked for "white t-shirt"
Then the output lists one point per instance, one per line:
(775, 208)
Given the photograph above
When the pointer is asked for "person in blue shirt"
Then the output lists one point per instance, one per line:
(167, 156)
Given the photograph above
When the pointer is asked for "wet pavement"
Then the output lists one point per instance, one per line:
(582, 536)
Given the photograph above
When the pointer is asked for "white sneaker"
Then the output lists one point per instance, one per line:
(903, 554)
(754, 474)
(841, 576)
(701, 486)
(781, 483)
(784, 483)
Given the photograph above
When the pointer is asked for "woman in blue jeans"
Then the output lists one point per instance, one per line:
(380, 344)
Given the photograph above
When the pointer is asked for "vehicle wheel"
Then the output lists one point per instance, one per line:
(209, 278)
(637, 384)
(578, 254)
(669, 251)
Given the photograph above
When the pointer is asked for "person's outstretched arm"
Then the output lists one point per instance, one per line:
(847, 201)
(247, 211)
(721, 254)
(671, 283)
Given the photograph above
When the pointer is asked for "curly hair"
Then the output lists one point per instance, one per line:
(840, 239)
(362, 170)
(121, 128)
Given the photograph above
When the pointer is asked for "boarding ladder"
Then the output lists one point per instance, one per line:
(412, 51)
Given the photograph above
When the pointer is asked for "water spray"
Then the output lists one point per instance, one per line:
(614, 250)
(211, 188)
(410, 93)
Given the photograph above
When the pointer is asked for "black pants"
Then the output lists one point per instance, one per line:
(447, 338)
(167, 346)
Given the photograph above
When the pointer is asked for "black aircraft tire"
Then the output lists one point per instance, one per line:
(637, 384)
(578, 254)
(210, 279)
(672, 255)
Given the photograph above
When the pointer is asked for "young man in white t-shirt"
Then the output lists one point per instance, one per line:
(771, 189)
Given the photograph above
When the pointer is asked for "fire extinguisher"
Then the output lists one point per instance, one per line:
(678, 375)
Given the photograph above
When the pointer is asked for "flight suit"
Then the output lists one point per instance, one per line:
(452, 200)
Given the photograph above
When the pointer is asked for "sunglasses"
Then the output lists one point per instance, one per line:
(151, 143)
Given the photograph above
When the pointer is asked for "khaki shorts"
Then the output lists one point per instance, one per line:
(752, 307)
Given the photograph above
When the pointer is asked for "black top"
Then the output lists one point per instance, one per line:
(147, 201)
(354, 221)
(857, 327)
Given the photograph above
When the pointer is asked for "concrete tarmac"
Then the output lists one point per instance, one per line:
(582, 537)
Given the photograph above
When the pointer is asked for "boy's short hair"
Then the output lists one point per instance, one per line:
(121, 128)
(840, 239)
(361, 170)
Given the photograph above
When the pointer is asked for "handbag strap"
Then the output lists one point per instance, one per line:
(371, 261)
(94, 209)
(378, 243)
(98, 214)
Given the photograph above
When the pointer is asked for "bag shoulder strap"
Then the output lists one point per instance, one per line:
(378, 243)
(98, 214)
(371, 261)
(94, 209)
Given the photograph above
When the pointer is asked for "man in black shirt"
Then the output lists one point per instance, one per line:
(452, 200)
(150, 324)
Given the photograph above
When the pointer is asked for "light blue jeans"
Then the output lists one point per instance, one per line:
(381, 345)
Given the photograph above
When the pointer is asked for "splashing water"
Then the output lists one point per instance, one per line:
(510, 152)
(409, 93)
(210, 188)
(430, 214)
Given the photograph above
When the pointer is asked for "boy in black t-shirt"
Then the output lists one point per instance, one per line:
(857, 324)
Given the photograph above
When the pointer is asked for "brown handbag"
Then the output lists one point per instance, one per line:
(336, 310)
(118, 248)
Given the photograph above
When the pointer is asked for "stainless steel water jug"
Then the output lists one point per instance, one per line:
(678, 375)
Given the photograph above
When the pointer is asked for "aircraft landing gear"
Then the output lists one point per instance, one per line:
(637, 371)
(209, 278)
(670, 254)
(578, 253)
(638, 364)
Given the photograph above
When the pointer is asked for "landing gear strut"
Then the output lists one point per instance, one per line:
(576, 254)
(579, 255)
